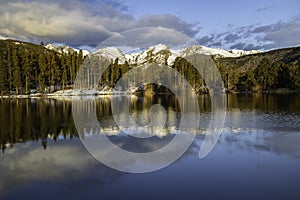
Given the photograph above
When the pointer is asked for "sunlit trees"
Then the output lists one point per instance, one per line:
(42, 62)
(17, 81)
(3, 75)
(25, 67)
(27, 71)
(294, 73)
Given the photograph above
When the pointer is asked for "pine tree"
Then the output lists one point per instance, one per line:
(42, 74)
(69, 67)
(34, 69)
(9, 69)
(64, 77)
(54, 72)
(79, 60)
(114, 76)
(294, 72)
(283, 80)
(73, 66)
(250, 79)
(27, 71)
(17, 81)
(123, 69)
(3, 75)
(262, 73)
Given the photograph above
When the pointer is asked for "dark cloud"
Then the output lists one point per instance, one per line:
(262, 29)
(216, 44)
(80, 23)
(259, 37)
(206, 40)
(231, 37)
(87, 23)
(239, 45)
(283, 34)
(249, 47)
(245, 46)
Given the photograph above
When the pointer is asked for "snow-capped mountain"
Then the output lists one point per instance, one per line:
(239, 53)
(160, 53)
(65, 49)
(111, 53)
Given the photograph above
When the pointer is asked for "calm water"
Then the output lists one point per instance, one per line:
(256, 157)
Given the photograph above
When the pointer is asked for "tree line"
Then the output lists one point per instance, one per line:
(263, 74)
(25, 67)
(266, 75)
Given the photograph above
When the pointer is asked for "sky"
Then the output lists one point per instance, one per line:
(247, 25)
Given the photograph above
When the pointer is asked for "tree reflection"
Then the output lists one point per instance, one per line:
(41, 120)
(24, 120)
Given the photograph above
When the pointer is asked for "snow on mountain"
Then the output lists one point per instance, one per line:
(159, 48)
(207, 51)
(160, 53)
(163, 54)
(65, 49)
(239, 53)
(111, 53)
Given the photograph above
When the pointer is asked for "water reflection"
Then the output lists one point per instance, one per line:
(34, 119)
(66, 171)
(264, 102)
(67, 163)
(42, 120)
(257, 156)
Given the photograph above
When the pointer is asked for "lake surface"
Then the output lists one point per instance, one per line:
(256, 157)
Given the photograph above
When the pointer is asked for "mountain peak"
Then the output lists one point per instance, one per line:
(160, 53)
(159, 47)
(111, 53)
(65, 49)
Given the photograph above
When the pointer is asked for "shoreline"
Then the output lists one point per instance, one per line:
(272, 91)
(68, 93)
(83, 93)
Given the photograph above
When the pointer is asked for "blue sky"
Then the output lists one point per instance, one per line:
(232, 24)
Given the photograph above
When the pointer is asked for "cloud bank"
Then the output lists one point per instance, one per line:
(79, 23)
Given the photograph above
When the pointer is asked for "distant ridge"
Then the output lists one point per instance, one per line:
(159, 53)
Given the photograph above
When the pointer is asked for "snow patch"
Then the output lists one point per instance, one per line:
(159, 47)
(65, 49)
(159, 53)
(111, 53)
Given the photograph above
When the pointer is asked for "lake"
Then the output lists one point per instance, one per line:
(256, 157)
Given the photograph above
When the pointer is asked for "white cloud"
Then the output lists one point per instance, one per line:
(76, 23)
(87, 23)
(142, 38)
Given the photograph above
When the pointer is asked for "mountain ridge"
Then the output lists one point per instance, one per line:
(25, 66)
(160, 53)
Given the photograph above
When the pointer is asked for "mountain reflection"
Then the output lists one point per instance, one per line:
(37, 119)
(258, 150)
(47, 119)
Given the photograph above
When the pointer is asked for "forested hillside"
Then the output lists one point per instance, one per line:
(264, 71)
(26, 68)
